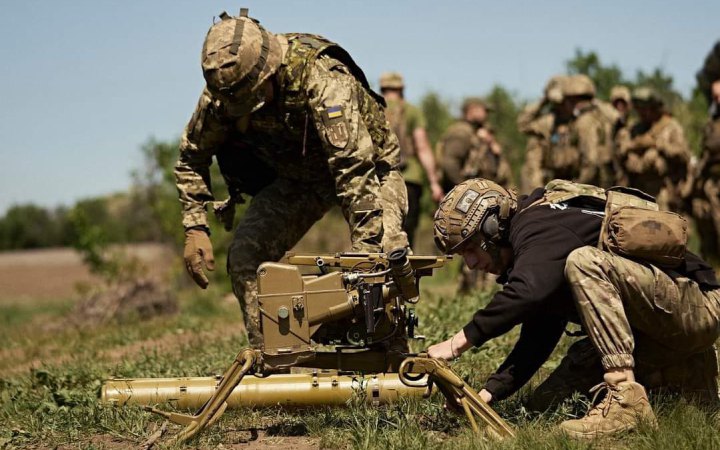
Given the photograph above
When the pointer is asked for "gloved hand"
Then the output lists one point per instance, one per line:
(198, 250)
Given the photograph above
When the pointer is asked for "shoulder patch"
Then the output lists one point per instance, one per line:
(336, 127)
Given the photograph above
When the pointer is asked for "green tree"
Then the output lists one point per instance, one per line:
(154, 189)
(437, 114)
(30, 226)
(503, 121)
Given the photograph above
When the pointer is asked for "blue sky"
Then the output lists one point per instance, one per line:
(84, 83)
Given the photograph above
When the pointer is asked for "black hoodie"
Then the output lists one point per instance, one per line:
(535, 293)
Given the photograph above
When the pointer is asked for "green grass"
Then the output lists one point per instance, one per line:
(57, 405)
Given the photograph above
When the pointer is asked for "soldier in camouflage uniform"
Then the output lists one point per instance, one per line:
(620, 100)
(292, 121)
(468, 150)
(536, 121)
(641, 320)
(706, 198)
(416, 156)
(575, 141)
(655, 154)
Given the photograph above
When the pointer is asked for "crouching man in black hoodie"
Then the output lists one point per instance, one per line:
(639, 319)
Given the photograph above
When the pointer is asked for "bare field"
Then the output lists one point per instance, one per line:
(53, 274)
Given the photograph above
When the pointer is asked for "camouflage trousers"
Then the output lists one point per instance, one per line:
(693, 377)
(278, 217)
(622, 303)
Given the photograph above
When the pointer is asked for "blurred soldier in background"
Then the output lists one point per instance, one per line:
(574, 142)
(706, 198)
(536, 121)
(620, 99)
(591, 130)
(293, 122)
(655, 154)
(468, 149)
(416, 155)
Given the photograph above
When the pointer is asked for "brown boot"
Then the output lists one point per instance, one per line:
(624, 406)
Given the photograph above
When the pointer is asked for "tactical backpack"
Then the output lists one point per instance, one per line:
(632, 226)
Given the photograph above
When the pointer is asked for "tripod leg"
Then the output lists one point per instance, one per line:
(216, 405)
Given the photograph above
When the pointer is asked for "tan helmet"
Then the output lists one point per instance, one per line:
(620, 93)
(476, 205)
(554, 89)
(578, 86)
(391, 80)
(645, 95)
(237, 57)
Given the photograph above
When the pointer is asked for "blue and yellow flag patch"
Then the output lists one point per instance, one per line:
(334, 112)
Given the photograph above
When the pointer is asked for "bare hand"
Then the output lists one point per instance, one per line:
(442, 350)
(451, 348)
(484, 135)
(486, 396)
(437, 192)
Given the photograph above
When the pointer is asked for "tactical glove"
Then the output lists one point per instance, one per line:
(198, 250)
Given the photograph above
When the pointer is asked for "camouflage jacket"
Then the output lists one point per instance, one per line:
(594, 130)
(571, 150)
(655, 151)
(323, 125)
(463, 155)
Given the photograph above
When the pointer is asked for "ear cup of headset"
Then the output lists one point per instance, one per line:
(490, 227)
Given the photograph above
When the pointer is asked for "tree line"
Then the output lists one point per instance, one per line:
(150, 211)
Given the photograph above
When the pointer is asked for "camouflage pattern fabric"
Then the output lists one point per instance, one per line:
(694, 377)
(340, 134)
(322, 140)
(463, 155)
(598, 125)
(617, 298)
(655, 160)
(394, 202)
(538, 133)
(580, 149)
(705, 199)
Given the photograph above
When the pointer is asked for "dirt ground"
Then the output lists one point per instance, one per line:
(48, 274)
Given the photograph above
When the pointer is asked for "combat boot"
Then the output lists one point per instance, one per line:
(625, 405)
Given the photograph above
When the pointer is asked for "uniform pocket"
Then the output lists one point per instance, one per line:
(666, 296)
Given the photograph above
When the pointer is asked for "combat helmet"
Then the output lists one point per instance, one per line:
(618, 93)
(237, 57)
(391, 80)
(554, 89)
(578, 86)
(474, 206)
(647, 96)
